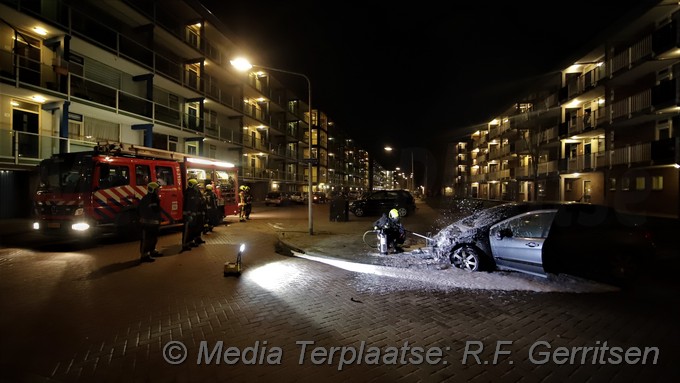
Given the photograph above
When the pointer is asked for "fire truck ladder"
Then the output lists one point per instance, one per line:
(118, 148)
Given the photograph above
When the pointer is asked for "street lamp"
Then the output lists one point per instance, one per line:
(242, 64)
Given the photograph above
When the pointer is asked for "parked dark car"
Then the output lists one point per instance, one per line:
(540, 238)
(382, 201)
(276, 199)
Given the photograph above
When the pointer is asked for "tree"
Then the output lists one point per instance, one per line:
(532, 127)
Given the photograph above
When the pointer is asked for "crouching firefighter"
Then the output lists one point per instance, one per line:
(392, 232)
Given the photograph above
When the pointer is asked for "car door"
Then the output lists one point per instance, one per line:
(392, 200)
(517, 242)
(170, 192)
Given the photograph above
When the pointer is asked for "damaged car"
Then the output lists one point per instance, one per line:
(540, 238)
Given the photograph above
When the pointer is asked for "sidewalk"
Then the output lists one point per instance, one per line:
(344, 240)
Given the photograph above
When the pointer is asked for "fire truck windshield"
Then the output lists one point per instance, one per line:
(66, 173)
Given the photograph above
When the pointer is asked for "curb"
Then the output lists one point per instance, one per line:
(285, 248)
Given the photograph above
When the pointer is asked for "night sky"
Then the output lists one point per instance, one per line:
(423, 71)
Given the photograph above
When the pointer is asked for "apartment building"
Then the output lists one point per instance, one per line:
(603, 129)
(158, 74)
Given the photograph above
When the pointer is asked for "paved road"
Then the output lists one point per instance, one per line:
(71, 313)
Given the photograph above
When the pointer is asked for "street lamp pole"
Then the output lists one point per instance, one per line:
(243, 64)
(413, 181)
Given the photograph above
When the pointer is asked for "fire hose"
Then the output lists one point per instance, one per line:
(381, 242)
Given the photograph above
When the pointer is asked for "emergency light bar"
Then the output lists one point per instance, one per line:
(208, 162)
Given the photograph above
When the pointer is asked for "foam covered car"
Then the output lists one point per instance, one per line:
(540, 238)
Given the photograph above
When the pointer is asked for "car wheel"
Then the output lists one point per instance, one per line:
(359, 212)
(403, 212)
(467, 258)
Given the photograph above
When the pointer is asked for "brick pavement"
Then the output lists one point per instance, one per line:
(95, 314)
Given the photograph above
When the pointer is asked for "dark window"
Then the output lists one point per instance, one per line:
(142, 175)
(118, 175)
(164, 175)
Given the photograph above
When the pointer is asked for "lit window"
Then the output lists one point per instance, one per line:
(612, 183)
(657, 182)
(640, 183)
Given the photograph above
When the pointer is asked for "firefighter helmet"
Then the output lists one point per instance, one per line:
(152, 187)
(209, 186)
(193, 182)
(243, 187)
(394, 214)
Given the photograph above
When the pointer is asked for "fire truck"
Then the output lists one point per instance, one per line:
(97, 192)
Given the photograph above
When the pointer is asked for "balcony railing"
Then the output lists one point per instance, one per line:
(627, 58)
(22, 148)
(585, 162)
(498, 175)
(28, 149)
(543, 169)
(629, 155)
(586, 81)
(627, 107)
(72, 86)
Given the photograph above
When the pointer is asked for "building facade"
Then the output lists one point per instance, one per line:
(603, 129)
(158, 74)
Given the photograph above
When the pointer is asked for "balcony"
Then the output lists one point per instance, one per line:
(60, 82)
(585, 122)
(634, 54)
(641, 153)
(583, 163)
(494, 132)
(626, 108)
(260, 173)
(586, 81)
(629, 155)
(550, 134)
(24, 149)
(499, 175)
(255, 112)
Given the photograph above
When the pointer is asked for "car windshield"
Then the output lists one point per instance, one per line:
(69, 173)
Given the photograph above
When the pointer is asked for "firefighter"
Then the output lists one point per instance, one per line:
(249, 202)
(212, 209)
(392, 227)
(242, 203)
(149, 211)
(192, 213)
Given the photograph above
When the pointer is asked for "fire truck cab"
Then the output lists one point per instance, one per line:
(97, 192)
